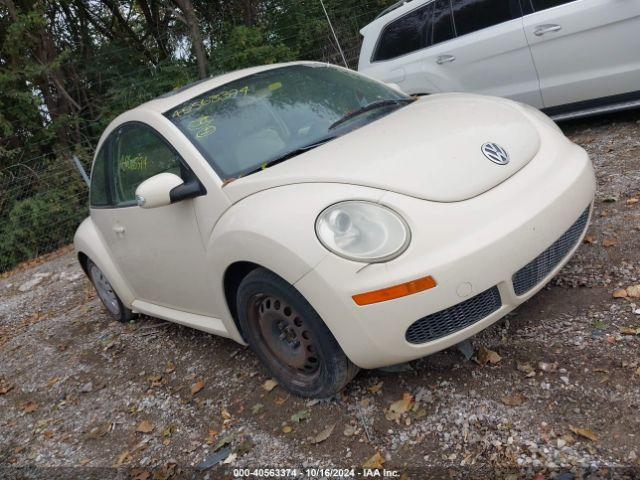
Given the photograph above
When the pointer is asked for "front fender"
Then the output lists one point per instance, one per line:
(275, 229)
(89, 242)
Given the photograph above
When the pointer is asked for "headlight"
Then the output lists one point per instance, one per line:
(363, 231)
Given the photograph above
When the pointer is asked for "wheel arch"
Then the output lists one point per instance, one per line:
(89, 245)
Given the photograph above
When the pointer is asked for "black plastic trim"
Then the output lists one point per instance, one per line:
(190, 189)
(593, 103)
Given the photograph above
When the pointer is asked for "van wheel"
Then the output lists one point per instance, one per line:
(107, 294)
(290, 338)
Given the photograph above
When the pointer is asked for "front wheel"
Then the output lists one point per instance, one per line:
(290, 338)
(107, 294)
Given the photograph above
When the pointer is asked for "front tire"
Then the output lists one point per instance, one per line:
(107, 294)
(290, 338)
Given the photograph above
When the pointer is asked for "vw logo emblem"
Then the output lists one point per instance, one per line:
(495, 153)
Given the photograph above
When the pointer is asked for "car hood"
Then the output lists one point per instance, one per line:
(430, 149)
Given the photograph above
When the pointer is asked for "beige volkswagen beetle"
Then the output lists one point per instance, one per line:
(329, 220)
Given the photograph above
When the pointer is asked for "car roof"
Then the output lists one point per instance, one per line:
(176, 97)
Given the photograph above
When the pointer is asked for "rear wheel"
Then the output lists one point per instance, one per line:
(290, 338)
(107, 294)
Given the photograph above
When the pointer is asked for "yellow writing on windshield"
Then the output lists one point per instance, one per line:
(202, 126)
(208, 100)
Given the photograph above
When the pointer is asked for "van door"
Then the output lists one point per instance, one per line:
(490, 54)
(584, 49)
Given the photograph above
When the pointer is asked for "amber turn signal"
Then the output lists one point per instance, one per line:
(397, 291)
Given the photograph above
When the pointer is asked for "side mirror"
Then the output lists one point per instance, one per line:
(166, 188)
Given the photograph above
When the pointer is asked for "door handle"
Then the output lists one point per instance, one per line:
(119, 229)
(442, 59)
(548, 28)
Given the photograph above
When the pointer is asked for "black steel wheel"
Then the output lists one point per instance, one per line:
(290, 338)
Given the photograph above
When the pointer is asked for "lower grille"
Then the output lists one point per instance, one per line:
(537, 269)
(453, 319)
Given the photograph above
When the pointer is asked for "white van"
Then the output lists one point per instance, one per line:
(569, 58)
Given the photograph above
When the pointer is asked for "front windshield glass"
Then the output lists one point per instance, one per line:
(244, 125)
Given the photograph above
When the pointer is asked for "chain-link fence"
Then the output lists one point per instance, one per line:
(44, 198)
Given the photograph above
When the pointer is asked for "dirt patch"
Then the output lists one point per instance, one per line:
(76, 387)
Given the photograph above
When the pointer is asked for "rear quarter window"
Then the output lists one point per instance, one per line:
(99, 191)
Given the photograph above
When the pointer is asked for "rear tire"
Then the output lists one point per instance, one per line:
(107, 294)
(290, 338)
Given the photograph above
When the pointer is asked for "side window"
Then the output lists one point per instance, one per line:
(99, 191)
(139, 153)
(472, 15)
(441, 23)
(404, 35)
(545, 4)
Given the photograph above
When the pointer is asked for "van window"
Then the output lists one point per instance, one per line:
(404, 35)
(545, 4)
(441, 23)
(473, 15)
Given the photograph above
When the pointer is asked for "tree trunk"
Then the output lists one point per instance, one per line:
(191, 21)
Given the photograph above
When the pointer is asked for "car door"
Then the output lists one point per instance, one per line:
(584, 49)
(158, 250)
(489, 55)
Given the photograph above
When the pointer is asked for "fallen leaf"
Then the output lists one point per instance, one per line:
(139, 474)
(513, 400)
(584, 432)
(243, 447)
(270, 384)
(485, 356)
(225, 413)
(196, 387)
(547, 366)
(630, 330)
(350, 430)
(590, 239)
(324, 434)
(257, 408)
(620, 293)
(51, 382)
(526, 368)
(609, 242)
(124, 457)
(638, 371)
(280, 400)
(230, 459)
(376, 461)
(5, 387)
(224, 441)
(29, 407)
(633, 291)
(399, 408)
(145, 427)
(170, 368)
(376, 388)
(632, 201)
(287, 429)
(300, 416)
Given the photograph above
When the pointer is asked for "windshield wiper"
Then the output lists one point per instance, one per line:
(368, 108)
(292, 153)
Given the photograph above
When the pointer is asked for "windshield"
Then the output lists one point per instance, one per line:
(255, 121)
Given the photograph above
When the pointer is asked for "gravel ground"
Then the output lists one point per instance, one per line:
(554, 393)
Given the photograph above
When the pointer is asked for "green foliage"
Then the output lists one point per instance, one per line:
(37, 225)
(247, 47)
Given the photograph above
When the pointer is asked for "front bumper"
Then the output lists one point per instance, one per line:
(470, 248)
